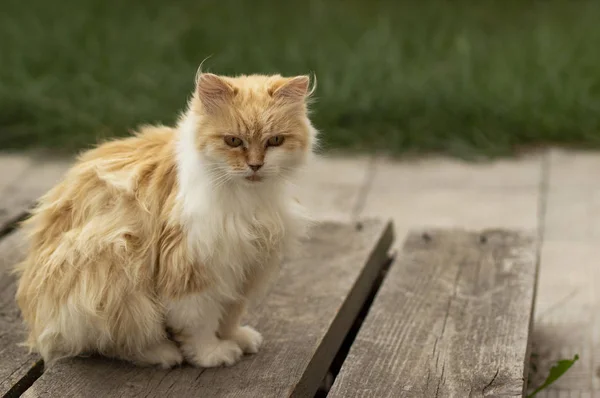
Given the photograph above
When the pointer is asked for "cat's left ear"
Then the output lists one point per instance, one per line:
(213, 91)
(295, 89)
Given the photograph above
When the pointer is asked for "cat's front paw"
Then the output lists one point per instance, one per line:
(248, 339)
(220, 353)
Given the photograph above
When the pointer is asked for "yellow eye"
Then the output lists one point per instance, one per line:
(276, 140)
(232, 141)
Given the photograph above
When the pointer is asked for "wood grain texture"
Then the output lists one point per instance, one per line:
(17, 366)
(452, 319)
(567, 318)
(332, 187)
(11, 167)
(25, 182)
(446, 193)
(304, 319)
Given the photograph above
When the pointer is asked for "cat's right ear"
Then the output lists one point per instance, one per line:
(213, 91)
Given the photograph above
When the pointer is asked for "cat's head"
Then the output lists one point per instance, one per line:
(252, 128)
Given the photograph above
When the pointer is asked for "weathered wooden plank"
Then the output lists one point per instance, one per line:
(17, 366)
(445, 193)
(332, 187)
(22, 180)
(11, 167)
(568, 303)
(30, 182)
(304, 319)
(452, 319)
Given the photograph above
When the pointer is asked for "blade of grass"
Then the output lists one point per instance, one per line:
(559, 369)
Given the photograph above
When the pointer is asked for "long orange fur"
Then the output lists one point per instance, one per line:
(123, 247)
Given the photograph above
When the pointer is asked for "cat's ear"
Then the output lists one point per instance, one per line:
(214, 91)
(294, 89)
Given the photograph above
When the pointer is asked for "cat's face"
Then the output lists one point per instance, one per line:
(252, 128)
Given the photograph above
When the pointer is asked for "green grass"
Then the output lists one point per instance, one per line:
(460, 77)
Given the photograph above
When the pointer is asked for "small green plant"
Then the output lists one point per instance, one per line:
(559, 369)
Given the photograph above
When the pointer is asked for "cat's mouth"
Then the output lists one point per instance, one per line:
(253, 178)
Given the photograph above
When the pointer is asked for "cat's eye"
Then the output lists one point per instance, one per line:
(232, 141)
(276, 140)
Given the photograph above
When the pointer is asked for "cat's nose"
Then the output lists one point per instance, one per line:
(255, 167)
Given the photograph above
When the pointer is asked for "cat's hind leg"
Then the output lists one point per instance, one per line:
(138, 333)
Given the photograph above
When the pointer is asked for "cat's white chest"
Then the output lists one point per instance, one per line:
(234, 229)
(234, 240)
(241, 239)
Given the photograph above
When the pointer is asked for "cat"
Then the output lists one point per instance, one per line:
(151, 247)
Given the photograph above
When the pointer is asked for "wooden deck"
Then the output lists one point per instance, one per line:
(452, 319)
(555, 194)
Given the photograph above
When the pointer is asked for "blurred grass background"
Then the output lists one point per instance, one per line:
(459, 77)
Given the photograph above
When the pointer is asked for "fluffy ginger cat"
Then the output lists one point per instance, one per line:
(171, 229)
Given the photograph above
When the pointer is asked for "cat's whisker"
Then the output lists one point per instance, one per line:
(289, 181)
(223, 181)
(220, 180)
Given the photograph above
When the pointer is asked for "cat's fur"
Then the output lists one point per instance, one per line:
(170, 229)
